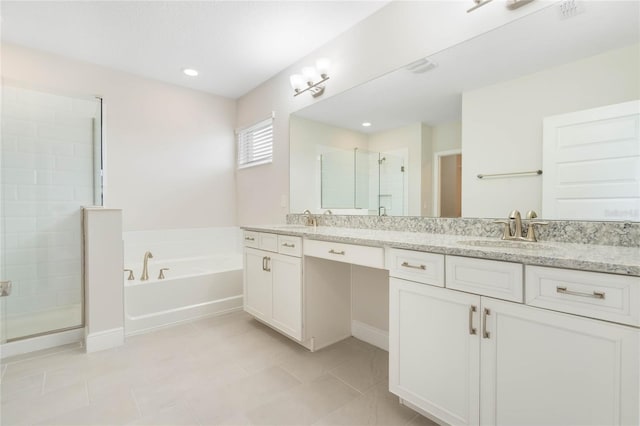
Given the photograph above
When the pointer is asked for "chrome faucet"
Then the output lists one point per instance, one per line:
(145, 266)
(311, 221)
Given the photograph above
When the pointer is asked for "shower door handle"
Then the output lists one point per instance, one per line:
(5, 288)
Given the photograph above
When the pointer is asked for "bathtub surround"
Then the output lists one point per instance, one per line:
(104, 315)
(204, 276)
(624, 234)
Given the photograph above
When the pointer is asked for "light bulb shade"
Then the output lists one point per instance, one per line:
(310, 74)
(323, 65)
(297, 82)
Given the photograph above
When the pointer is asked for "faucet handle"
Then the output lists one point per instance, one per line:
(161, 274)
(130, 277)
(506, 233)
(531, 233)
(531, 214)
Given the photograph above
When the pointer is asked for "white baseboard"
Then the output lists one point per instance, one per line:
(370, 334)
(104, 340)
(33, 344)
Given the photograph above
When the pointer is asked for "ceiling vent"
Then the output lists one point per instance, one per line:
(421, 66)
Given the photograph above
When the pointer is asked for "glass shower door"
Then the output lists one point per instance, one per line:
(392, 185)
(50, 161)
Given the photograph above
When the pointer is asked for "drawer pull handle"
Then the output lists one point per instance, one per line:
(288, 245)
(408, 265)
(341, 252)
(485, 313)
(267, 266)
(249, 238)
(595, 294)
(472, 310)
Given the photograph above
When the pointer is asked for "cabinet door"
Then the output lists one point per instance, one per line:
(287, 295)
(547, 368)
(434, 350)
(257, 283)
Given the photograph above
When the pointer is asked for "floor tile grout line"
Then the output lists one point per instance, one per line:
(345, 382)
(44, 382)
(135, 401)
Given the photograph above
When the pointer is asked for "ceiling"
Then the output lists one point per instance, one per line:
(536, 42)
(235, 45)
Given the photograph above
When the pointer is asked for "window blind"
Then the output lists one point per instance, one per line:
(255, 144)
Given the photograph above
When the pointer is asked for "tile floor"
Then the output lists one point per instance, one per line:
(226, 370)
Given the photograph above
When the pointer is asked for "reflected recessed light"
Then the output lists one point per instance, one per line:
(366, 124)
(190, 72)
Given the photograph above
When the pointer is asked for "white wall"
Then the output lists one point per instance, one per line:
(170, 154)
(394, 36)
(447, 136)
(502, 125)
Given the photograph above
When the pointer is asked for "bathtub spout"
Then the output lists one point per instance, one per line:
(145, 267)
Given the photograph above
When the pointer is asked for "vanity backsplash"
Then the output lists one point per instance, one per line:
(623, 234)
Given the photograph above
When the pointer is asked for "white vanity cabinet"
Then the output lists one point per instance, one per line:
(434, 360)
(470, 359)
(273, 281)
(539, 367)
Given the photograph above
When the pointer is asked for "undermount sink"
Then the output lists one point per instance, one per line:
(509, 244)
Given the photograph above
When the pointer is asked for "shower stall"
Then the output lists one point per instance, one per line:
(50, 167)
(375, 182)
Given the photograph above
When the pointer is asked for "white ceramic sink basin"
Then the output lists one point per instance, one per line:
(507, 244)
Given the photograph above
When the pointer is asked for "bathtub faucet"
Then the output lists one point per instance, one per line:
(145, 267)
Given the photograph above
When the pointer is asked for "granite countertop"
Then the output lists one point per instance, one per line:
(587, 257)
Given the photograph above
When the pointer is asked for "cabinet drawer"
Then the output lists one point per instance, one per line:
(427, 268)
(268, 242)
(251, 239)
(261, 240)
(290, 245)
(349, 253)
(502, 280)
(597, 295)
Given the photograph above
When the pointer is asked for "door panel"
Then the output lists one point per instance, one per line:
(591, 162)
(257, 284)
(582, 371)
(287, 295)
(434, 357)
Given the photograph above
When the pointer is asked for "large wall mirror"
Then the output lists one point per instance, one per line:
(540, 114)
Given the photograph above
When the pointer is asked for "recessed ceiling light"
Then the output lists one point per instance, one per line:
(190, 72)
(366, 124)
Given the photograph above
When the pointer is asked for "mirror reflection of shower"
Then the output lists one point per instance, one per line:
(374, 182)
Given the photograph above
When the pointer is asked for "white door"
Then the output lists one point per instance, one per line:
(287, 295)
(591, 163)
(434, 350)
(257, 283)
(548, 368)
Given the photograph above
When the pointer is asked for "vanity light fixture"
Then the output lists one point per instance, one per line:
(366, 124)
(307, 80)
(190, 72)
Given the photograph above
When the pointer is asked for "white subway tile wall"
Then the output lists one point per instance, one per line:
(47, 155)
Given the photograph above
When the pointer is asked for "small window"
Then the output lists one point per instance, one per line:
(255, 144)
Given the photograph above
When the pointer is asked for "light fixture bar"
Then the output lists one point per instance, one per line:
(315, 88)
